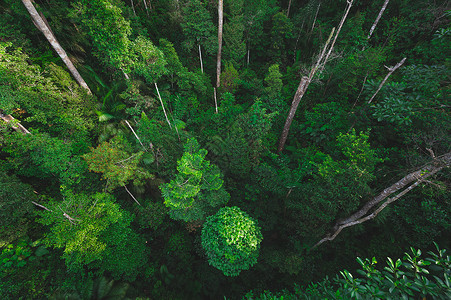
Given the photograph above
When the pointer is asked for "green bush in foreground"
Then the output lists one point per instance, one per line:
(413, 277)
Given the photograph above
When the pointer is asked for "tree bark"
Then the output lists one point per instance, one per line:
(384, 6)
(390, 71)
(218, 59)
(40, 24)
(407, 183)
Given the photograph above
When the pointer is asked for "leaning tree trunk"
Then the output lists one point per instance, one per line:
(305, 81)
(343, 19)
(40, 24)
(218, 59)
(406, 184)
(378, 18)
(302, 88)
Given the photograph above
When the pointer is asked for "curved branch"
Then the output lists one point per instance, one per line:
(416, 177)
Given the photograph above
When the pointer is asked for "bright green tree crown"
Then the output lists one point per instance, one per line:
(231, 240)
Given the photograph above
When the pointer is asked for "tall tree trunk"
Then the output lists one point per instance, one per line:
(218, 59)
(216, 101)
(305, 81)
(145, 5)
(248, 53)
(390, 71)
(162, 105)
(294, 106)
(303, 85)
(343, 19)
(200, 58)
(378, 18)
(407, 183)
(133, 7)
(40, 24)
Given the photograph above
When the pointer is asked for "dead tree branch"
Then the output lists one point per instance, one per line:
(407, 183)
(17, 127)
(390, 71)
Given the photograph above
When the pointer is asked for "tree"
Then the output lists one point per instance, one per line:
(94, 231)
(273, 81)
(107, 28)
(231, 240)
(117, 165)
(42, 26)
(197, 190)
(234, 46)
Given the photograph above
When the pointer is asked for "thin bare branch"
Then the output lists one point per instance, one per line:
(390, 71)
(41, 206)
(131, 195)
(137, 137)
(384, 6)
(162, 105)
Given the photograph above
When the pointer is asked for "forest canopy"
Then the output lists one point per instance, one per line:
(225, 149)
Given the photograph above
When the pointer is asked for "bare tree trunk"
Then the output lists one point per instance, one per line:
(390, 71)
(39, 22)
(200, 58)
(162, 105)
(316, 15)
(216, 102)
(218, 60)
(345, 15)
(248, 53)
(305, 81)
(131, 195)
(145, 5)
(17, 127)
(288, 10)
(303, 85)
(294, 106)
(411, 181)
(133, 7)
(378, 18)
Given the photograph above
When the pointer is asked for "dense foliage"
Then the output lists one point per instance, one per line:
(158, 184)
